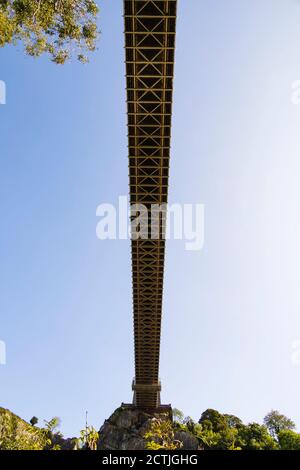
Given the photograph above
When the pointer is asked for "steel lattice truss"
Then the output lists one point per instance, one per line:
(149, 44)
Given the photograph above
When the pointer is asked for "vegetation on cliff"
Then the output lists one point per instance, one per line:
(17, 434)
(134, 429)
(216, 431)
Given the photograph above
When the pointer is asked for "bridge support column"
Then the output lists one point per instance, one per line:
(142, 392)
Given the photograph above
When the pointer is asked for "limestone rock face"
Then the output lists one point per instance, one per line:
(189, 442)
(126, 427)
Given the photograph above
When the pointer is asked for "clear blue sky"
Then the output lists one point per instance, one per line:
(231, 311)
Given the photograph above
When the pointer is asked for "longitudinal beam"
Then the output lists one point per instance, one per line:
(150, 27)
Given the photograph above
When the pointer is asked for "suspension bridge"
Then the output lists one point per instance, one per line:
(150, 29)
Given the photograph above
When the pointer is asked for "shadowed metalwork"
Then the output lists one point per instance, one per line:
(149, 44)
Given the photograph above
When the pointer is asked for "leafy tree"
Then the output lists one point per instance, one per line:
(34, 420)
(92, 438)
(232, 421)
(52, 425)
(229, 439)
(289, 440)
(189, 424)
(227, 432)
(178, 416)
(88, 439)
(52, 434)
(161, 436)
(277, 422)
(56, 27)
(218, 431)
(212, 419)
(226, 439)
(207, 438)
(256, 437)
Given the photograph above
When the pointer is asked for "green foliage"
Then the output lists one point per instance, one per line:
(34, 420)
(256, 437)
(227, 432)
(226, 438)
(52, 425)
(16, 434)
(161, 436)
(208, 439)
(88, 439)
(178, 415)
(214, 431)
(51, 433)
(59, 28)
(277, 422)
(189, 424)
(232, 421)
(213, 420)
(55, 447)
(289, 440)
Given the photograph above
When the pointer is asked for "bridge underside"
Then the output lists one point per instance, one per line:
(149, 45)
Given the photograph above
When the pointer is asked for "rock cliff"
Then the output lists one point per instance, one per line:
(126, 429)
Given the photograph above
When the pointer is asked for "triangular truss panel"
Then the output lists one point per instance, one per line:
(150, 27)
